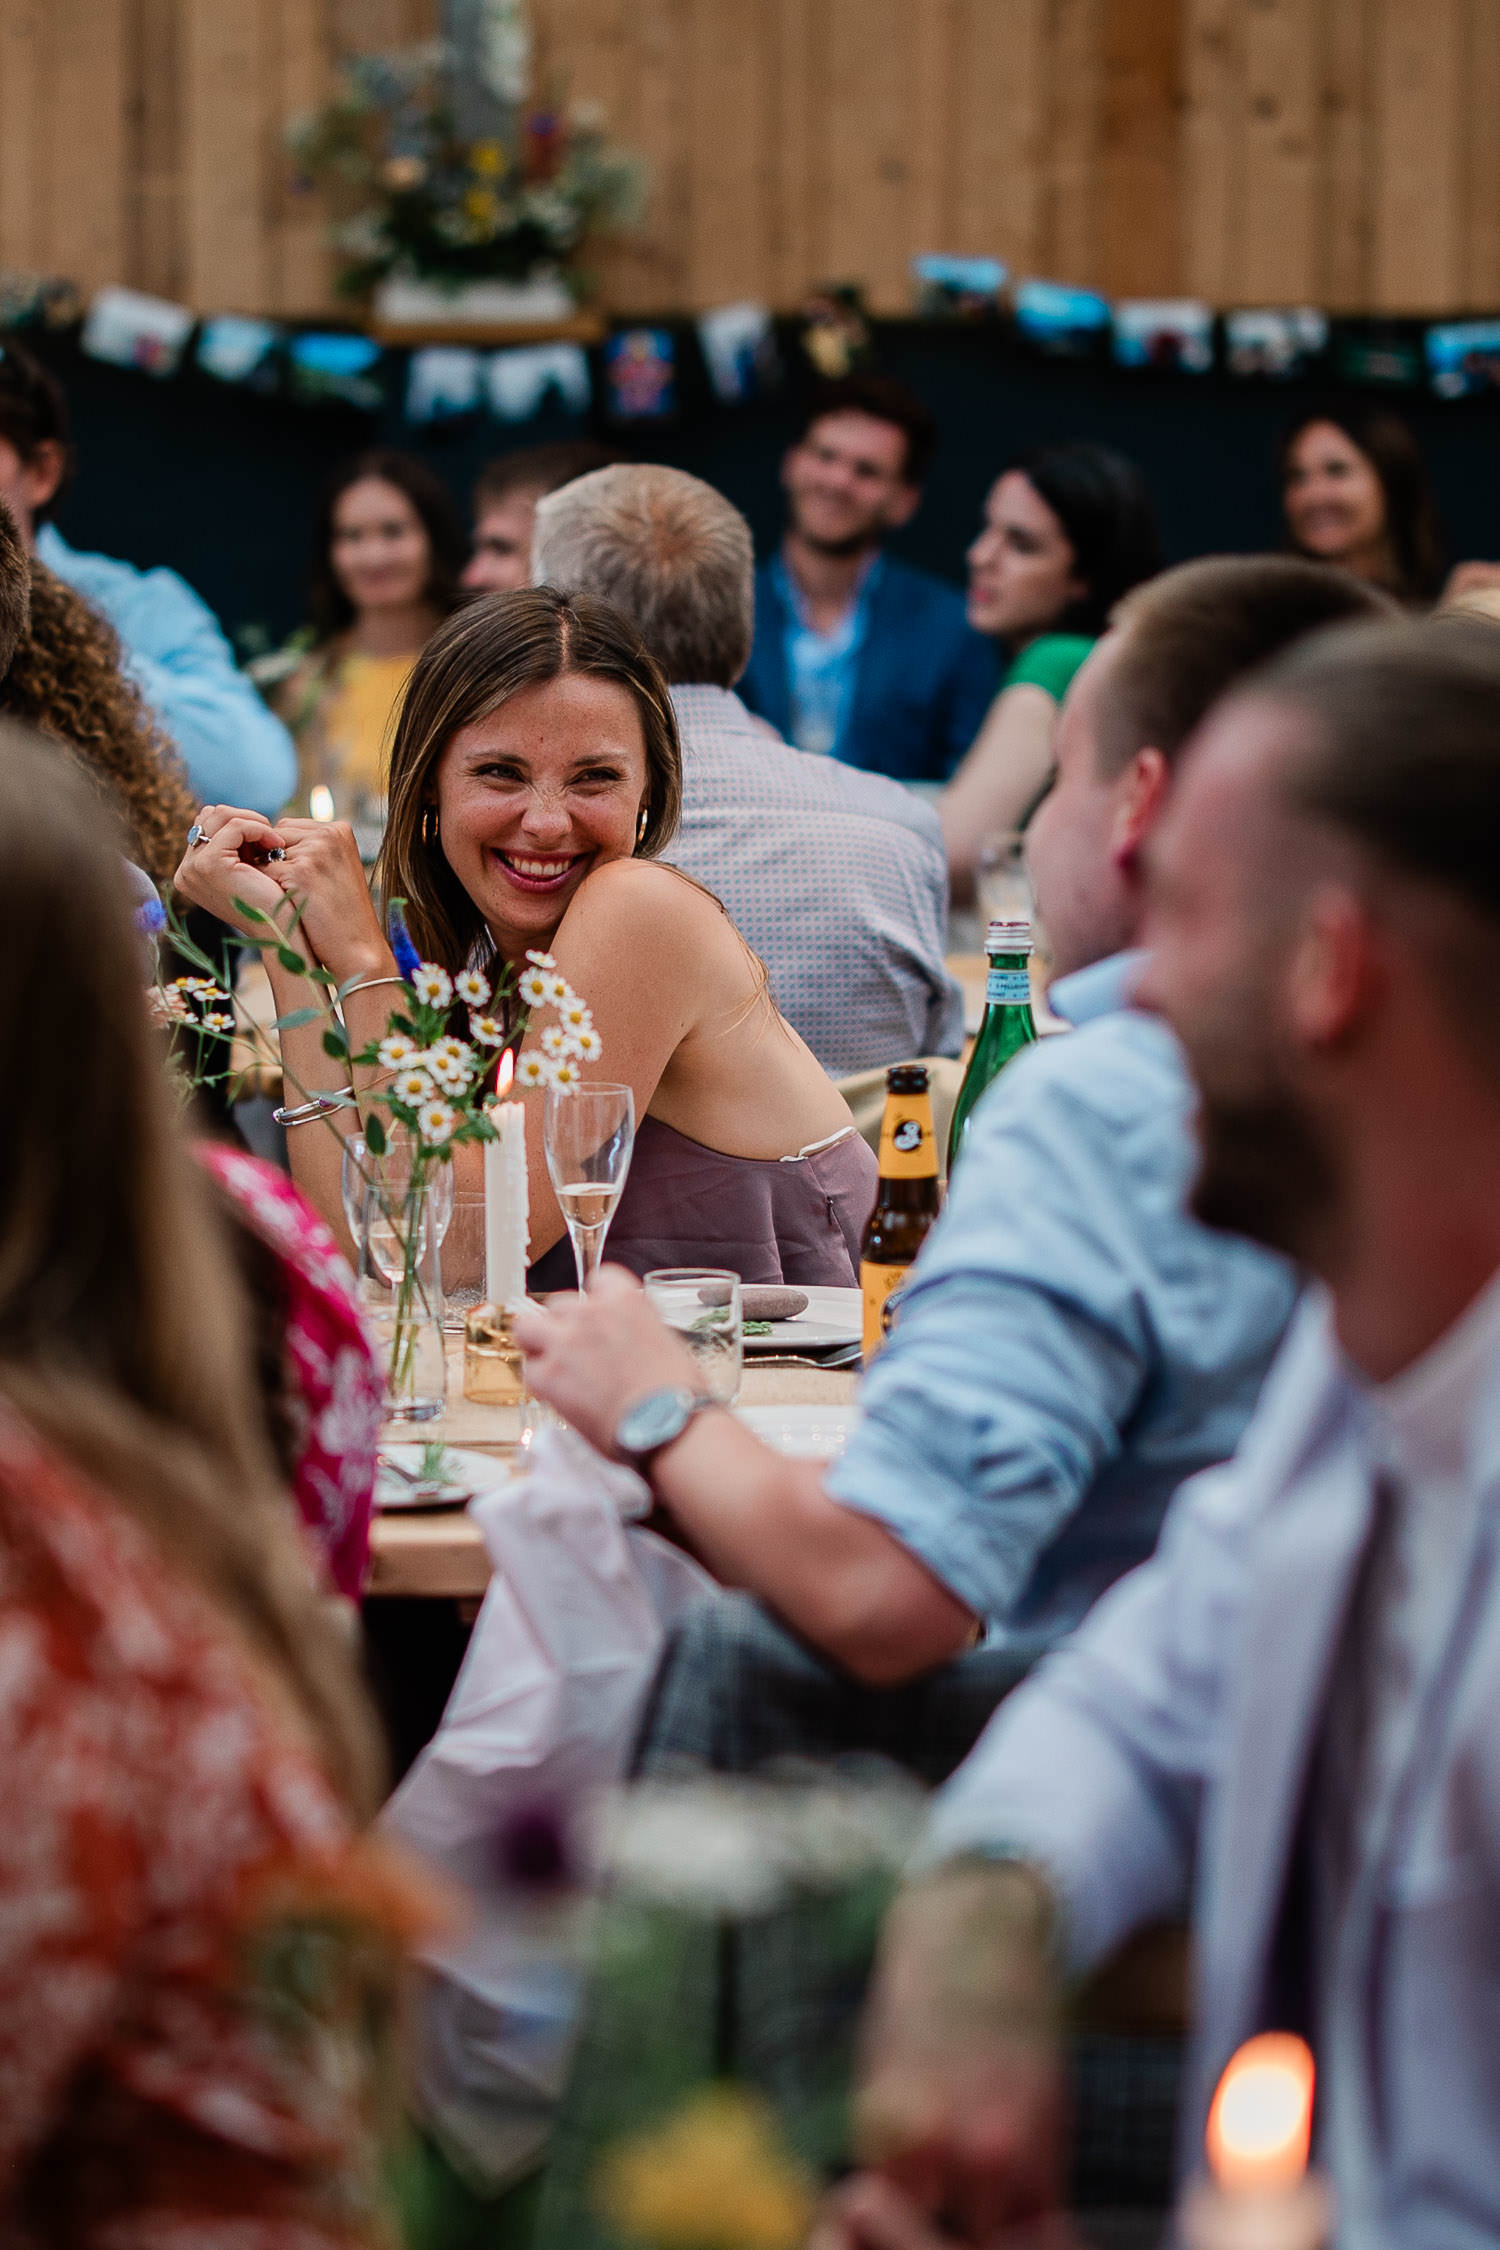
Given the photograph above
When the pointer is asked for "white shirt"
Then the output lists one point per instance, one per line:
(1419, 1440)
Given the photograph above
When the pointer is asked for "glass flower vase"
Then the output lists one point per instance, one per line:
(402, 1289)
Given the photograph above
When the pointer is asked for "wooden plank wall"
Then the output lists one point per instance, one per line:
(1249, 150)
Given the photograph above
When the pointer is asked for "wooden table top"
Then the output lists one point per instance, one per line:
(438, 1552)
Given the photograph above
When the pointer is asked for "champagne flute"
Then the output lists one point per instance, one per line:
(588, 1135)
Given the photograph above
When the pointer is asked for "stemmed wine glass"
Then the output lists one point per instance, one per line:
(588, 1135)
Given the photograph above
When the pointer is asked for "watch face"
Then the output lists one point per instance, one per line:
(653, 1420)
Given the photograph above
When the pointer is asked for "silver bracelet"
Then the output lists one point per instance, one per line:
(371, 984)
(321, 1105)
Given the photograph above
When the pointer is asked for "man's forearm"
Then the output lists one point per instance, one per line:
(841, 1580)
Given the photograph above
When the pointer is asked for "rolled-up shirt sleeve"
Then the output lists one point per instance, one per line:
(1027, 1337)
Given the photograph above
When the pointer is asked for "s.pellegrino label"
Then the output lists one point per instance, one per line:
(1007, 1027)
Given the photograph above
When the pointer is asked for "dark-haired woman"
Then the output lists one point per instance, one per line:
(535, 777)
(387, 552)
(1354, 491)
(1067, 530)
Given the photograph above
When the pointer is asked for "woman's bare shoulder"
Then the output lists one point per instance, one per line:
(627, 894)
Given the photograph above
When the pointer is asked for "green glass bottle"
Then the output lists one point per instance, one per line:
(1008, 1024)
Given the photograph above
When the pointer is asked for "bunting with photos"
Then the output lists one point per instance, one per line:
(636, 375)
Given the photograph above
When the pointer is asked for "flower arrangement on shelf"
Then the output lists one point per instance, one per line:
(441, 168)
(428, 1091)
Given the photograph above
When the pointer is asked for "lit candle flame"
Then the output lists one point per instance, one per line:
(504, 1075)
(320, 801)
(1260, 2125)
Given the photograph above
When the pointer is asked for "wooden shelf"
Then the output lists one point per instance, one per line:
(490, 335)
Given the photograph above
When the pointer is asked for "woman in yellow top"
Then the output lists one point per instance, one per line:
(388, 548)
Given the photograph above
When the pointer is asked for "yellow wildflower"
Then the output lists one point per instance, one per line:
(487, 158)
(717, 2176)
(482, 208)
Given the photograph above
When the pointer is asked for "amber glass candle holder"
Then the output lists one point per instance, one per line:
(492, 1358)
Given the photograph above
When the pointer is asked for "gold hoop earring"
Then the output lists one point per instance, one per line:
(431, 828)
(642, 824)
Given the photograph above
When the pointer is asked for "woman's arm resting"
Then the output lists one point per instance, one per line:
(758, 1520)
(1000, 779)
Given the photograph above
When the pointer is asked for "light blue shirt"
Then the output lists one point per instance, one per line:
(1071, 1345)
(821, 667)
(1177, 1752)
(235, 750)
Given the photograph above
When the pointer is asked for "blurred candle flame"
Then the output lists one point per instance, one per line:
(1260, 2125)
(320, 801)
(504, 1075)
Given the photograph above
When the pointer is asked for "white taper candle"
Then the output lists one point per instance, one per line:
(507, 1207)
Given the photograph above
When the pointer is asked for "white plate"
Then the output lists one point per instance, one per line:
(810, 1433)
(833, 1316)
(469, 1473)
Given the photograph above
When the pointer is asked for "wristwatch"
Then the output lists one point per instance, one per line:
(654, 1421)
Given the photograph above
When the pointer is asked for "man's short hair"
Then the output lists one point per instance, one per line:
(1402, 755)
(884, 400)
(537, 469)
(669, 551)
(1192, 634)
(15, 588)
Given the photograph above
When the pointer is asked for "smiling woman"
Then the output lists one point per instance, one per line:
(387, 550)
(535, 778)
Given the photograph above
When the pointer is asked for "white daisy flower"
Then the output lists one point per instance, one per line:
(447, 1073)
(587, 1044)
(541, 960)
(533, 1070)
(565, 1076)
(559, 991)
(455, 1050)
(432, 984)
(436, 1121)
(487, 1030)
(533, 987)
(396, 1050)
(410, 1086)
(575, 1013)
(557, 1042)
(215, 1019)
(473, 987)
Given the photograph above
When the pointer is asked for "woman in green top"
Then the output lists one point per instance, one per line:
(1067, 530)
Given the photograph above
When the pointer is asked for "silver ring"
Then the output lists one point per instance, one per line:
(197, 834)
(275, 852)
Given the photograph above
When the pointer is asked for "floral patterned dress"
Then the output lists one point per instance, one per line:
(334, 1385)
(190, 1936)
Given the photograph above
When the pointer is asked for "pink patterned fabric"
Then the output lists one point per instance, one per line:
(333, 1374)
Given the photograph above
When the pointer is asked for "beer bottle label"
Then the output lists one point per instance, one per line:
(1008, 988)
(879, 1284)
(907, 1148)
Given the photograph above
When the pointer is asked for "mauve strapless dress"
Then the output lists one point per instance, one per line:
(797, 1219)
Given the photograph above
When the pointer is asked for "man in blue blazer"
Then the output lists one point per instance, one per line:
(857, 656)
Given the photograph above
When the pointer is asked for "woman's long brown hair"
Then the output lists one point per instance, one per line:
(124, 1337)
(66, 680)
(473, 664)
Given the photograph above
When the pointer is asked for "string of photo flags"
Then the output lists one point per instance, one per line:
(636, 374)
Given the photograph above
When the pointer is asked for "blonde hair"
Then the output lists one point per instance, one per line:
(124, 1336)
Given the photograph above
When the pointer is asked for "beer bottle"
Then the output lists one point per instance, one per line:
(907, 1200)
(1008, 1025)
